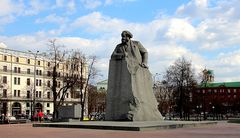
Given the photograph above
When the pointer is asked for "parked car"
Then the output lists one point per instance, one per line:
(21, 116)
(48, 117)
(13, 120)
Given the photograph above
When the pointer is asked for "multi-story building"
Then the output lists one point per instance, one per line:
(25, 83)
(216, 98)
(102, 85)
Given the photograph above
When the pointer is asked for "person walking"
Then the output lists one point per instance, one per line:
(40, 116)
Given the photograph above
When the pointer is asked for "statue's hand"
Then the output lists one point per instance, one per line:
(118, 56)
(144, 65)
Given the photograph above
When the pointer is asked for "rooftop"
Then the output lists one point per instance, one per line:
(220, 84)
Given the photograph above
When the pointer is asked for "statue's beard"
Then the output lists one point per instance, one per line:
(124, 41)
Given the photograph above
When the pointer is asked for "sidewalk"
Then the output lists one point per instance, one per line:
(221, 130)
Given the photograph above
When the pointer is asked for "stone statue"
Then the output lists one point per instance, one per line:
(130, 95)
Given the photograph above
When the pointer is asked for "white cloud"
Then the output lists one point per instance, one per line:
(8, 7)
(226, 66)
(2, 45)
(108, 2)
(92, 4)
(6, 19)
(35, 6)
(180, 29)
(197, 26)
(71, 6)
(59, 3)
(25, 42)
(52, 18)
(97, 23)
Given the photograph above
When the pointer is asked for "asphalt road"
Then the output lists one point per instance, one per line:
(221, 130)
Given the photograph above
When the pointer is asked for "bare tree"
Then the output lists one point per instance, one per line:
(181, 78)
(96, 101)
(164, 96)
(64, 76)
(86, 73)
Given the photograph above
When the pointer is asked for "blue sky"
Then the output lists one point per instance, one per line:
(204, 31)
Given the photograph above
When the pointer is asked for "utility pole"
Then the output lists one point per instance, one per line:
(34, 81)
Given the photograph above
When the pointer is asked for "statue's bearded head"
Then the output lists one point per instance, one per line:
(126, 36)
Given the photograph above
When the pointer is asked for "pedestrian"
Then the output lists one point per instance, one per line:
(40, 116)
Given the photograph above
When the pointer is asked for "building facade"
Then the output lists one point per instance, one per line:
(217, 98)
(102, 85)
(25, 83)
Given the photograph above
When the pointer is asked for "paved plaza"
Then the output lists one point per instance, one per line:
(220, 130)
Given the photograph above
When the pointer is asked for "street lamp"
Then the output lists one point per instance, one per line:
(213, 112)
(34, 82)
(200, 109)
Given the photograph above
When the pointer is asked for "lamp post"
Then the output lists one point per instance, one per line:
(213, 112)
(34, 82)
(200, 109)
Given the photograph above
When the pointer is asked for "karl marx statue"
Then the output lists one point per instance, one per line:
(130, 95)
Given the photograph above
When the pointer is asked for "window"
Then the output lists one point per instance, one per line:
(67, 95)
(48, 95)
(17, 59)
(15, 69)
(49, 84)
(40, 82)
(40, 94)
(36, 93)
(5, 79)
(39, 63)
(36, 82)
(234, 90)
(5, 58)
(49, 64)
(19, 93)
(48, 105)
(38, 72)
(15, 80)
(5, 68)
(28, 61)
(4, 93)
(28, 81)
(28, 94)
(19, 70)
(49, 73)
(27, 104)
(18, 81)
(28, 71)
(27, 112)
(15, 93)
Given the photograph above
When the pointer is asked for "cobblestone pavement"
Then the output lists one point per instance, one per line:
(221, 130)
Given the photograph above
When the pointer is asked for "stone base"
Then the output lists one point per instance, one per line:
(126, 126)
